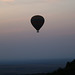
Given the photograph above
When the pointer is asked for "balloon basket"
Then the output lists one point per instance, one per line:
(37, 31)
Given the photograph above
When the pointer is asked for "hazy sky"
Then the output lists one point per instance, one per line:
(19, 40)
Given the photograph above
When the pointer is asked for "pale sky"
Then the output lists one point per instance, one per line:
(18, 38)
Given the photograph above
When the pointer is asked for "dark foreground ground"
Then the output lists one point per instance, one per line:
(68, 70)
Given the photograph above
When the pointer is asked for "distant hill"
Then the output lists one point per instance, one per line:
(68, 70)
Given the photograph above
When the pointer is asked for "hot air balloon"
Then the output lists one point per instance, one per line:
(37, 21)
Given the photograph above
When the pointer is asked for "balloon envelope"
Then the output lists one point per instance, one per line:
(37, 22)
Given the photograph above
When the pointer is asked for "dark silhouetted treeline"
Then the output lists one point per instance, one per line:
(68, 70)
